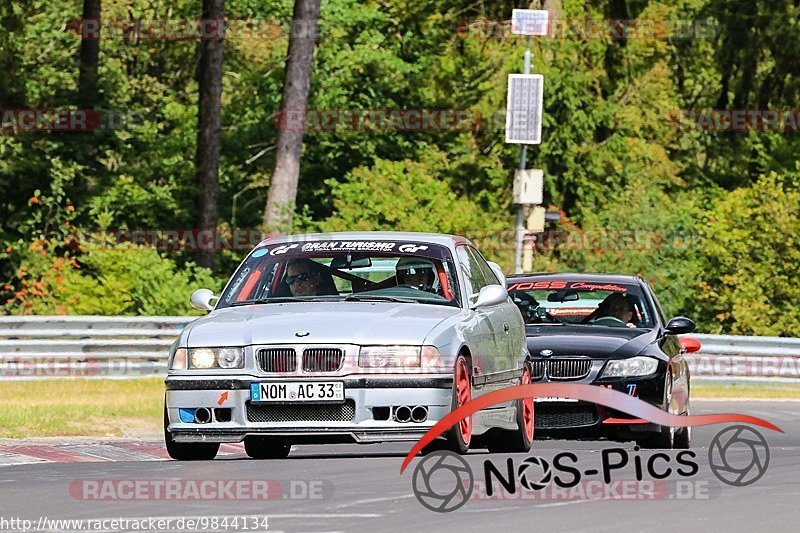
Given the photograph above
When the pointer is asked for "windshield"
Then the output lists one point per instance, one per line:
(589, 303)
(344, 270)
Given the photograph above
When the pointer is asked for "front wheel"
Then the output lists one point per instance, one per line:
(520, 439)
(188, 451)
(460, 435)
(666, 436)
(683, 437)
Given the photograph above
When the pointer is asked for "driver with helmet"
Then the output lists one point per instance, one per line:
(416, 272)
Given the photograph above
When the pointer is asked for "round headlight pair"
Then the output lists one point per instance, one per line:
(207, 358)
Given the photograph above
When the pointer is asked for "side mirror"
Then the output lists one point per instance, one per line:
(690, 345)
(680, 325)
(490, 295)
(201, 299)
(498, 272)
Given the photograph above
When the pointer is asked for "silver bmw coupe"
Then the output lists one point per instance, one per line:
(349, 337)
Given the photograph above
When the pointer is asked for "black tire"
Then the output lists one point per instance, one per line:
(457, 440)
(188, 451)
(683, 437)
(435, 446)
(520, 439)
(665, 438)
(266, 448)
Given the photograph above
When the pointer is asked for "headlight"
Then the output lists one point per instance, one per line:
(635, 366)
(207, 358)
(202, 358)
(389, 356)
(230, 358)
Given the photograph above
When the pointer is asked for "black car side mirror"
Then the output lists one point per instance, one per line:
(680, 325)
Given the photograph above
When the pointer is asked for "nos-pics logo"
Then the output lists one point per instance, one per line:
(443, 481)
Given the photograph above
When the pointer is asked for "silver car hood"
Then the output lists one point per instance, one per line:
(324, 322)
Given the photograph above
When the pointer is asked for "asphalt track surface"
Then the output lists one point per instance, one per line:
(359, 488)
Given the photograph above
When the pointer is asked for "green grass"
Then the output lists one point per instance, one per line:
(81, 407)
(776, 391)
(119, 408)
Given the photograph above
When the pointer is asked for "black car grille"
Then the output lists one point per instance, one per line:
(537, 370)
(277, 360)
(568, 369)
(548, 415)
(335, 412)
(322, 359)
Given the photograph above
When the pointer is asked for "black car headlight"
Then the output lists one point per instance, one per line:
(208, 358)
(633, 367)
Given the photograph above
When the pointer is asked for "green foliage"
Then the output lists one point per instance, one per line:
(403, 196)
(644, 193)
(751, 260)
(104, 278)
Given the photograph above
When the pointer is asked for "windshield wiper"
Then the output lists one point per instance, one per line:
(376, 298)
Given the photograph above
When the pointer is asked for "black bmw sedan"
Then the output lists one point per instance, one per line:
(610, 331)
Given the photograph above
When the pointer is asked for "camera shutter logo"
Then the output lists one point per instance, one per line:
(534, 473)
(443, 482)
(738, 456)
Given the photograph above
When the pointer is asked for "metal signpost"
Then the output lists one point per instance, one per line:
(524, 120)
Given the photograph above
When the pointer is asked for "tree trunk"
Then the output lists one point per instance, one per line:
(279, 212)
(209, 75)
(89, 56)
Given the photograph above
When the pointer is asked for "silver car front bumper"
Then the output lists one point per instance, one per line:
(367, 414)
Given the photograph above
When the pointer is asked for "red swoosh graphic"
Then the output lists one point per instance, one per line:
(589, 393)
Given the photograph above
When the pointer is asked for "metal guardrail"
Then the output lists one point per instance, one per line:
(739, 358)
(39, 347)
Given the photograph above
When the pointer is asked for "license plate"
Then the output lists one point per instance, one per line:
(297, 391)
(556, 399)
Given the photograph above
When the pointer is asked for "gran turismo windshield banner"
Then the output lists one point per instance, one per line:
(311, 248)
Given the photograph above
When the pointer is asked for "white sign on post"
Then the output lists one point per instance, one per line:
(524, 108)
(528, 186)
(529, 22)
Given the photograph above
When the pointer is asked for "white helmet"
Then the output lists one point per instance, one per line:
(414, 265)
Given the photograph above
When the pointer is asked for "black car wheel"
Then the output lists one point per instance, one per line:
(518, 440)
(266, 448)
(188, 451)
(665, 437)
(683, 437)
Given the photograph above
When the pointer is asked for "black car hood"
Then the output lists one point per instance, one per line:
(591, 341)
